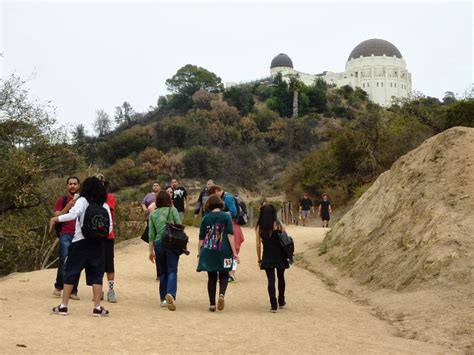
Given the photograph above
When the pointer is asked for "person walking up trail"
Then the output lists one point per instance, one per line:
(203, 196)
(166, 258)
(306, 207)
(325, 210)
(148, 206)
(65, 233)
(230, 207)
(216, 250)
(274, 258)
(86, 253)
(180, 198)
(110, 243)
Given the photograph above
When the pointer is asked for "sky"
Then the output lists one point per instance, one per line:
(85, 56)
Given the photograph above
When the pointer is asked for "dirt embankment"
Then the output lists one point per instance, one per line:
(407, 246)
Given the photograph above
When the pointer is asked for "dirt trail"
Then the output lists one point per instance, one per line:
(316, 320)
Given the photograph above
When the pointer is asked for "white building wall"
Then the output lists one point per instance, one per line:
(383, 78)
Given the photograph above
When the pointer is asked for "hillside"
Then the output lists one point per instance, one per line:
(409, 240)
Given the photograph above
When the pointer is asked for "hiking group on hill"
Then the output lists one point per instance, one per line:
(84, 220)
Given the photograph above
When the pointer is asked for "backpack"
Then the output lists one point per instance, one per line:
(242, 216)
(57, 226)
(96, 222)
(287, 245)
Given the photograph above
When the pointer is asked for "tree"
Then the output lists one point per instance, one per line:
(124, 114)
(449, 97)
(295, 87)
(240, 97)
(186, 82)
(102, 124)
(79, 135)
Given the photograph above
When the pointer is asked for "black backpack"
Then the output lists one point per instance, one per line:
(242, 216)
(57, 226)
(96, 222)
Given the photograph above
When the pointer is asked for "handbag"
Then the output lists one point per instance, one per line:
(287, 244)
(144, 236)
(174, 237)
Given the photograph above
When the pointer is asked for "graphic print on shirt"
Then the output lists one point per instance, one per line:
(214, 236)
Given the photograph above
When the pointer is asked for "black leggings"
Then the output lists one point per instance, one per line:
(212, 284)
(271, 287)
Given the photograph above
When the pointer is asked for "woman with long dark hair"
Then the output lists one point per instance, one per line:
(167, 259)
(84, 253)
(274, 258)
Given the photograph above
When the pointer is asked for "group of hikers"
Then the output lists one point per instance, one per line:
(84, 219)
(307, 207)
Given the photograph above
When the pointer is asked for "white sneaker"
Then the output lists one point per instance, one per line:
(164, 304)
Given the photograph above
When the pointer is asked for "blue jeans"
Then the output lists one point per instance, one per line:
(168, 262)
(64, 243)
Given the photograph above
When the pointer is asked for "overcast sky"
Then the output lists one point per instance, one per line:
(89, 56)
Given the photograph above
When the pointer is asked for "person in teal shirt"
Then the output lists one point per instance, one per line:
(216, 250)
(167, 259)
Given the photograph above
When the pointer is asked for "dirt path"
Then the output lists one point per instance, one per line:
(316, 320)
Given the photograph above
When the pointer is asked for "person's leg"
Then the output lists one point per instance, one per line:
(161, 260)
(271, 288)
(64, 243)
(110, 269)
(211, 287)
(95, 269)
(172, 260)
(223, 282)
(281, 287)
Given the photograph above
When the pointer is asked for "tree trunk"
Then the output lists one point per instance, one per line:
(295, 103)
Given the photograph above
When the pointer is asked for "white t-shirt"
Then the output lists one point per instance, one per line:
(77, 212)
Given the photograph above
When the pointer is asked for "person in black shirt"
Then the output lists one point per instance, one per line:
(306, 206)
(180, 198)
(325, 211)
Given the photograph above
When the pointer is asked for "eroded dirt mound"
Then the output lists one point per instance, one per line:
(415, 225)
(409, 243)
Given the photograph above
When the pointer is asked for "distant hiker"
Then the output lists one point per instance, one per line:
(148, 206)
(203, 196)
(93, 224)
(217, 250)
(166, 259)
(150, 199)
(230, 207)
(325, 211)
(65, 232)
(306, 207)
(109, 243)
(274, 258)
(180, 198)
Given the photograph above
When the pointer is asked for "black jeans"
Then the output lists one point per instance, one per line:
(271, 287)
(212, 284)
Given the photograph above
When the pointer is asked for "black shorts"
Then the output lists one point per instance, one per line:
(87, 255)
(109, 255)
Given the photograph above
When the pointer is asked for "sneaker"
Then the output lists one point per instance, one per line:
(232, 278)
(164, 303)
(57, 292)
(170, 301)
(60, 310)
(74, 297)
(220, 303)
(282, 305)
(212, 308)
(100, 312)
(111, 296)
(273, 310)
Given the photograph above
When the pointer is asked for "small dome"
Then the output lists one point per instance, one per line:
(281, 60)
(375, 46)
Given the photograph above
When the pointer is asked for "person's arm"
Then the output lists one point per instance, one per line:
(73, 213)
(144, 208)
(198, 205)
(330, 209)
(231, 239)
(202, 235)
(109, 211)
(312, 206)
(230, 203)
(319, 210)
(259, 245)
(175, 216)
(151, 238)
(185, 195)
(58, 208)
